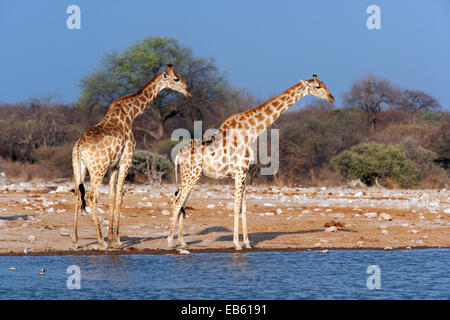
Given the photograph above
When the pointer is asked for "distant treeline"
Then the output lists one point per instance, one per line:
(36, 140)
(381, 133)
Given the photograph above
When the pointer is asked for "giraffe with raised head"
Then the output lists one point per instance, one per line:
(110, 145)
(230, 154)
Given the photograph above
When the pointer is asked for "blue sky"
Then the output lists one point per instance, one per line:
(263, 46)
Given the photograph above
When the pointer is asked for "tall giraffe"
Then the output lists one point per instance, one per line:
(230, 153)
(110, 144)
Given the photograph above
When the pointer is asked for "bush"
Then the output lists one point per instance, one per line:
(152, 165)
(371, 161)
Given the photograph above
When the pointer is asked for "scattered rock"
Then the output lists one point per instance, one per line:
(61, 189)
(31, 238)
(279, 211)
(324, 251)
(183, 251)
(165, 212)
(387, 248)
(386, 216)
(331, 229)
(211, 206)
(64, 232)
(385, 232)
(333, 223)
(370, 214)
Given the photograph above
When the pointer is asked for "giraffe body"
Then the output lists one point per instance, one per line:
(230, 154)
(110, 145)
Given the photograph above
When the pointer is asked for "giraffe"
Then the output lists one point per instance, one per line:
(230, 154)
(110, 145)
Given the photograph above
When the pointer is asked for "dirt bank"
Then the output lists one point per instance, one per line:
(37, 218)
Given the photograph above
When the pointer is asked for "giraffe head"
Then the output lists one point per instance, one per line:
(172, 80)
(317, 88)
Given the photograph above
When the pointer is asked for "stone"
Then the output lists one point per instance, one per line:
(370, 214)
(64, 232)
(386, 216)
(331, 229)
(31, 238)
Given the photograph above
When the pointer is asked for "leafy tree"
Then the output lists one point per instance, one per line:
(371, 161)
(124, 73)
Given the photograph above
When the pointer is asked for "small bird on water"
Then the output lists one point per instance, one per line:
(41, 273)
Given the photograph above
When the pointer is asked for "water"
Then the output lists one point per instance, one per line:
(340, 274)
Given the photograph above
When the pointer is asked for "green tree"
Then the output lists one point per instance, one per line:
(124, 73)
(371, 161)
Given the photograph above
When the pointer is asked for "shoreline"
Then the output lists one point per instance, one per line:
(92, 252)
(38, 218)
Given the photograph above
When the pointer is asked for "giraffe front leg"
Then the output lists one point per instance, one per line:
(112, 202)
(244, 225)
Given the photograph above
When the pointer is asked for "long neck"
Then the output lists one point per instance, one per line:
(263, 116)
(134, 105)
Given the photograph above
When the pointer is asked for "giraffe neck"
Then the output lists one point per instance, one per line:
(134, 105)
(263, 116)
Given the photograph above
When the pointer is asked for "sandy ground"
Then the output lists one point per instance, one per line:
(36, 219)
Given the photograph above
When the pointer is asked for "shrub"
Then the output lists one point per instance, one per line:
(371, 161)
(150, 164)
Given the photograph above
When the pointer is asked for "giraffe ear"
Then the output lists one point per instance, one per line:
(170, 68)
(316, 79)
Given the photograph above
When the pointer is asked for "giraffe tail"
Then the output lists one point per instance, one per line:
(76, 163)
(176, 181)
(176, 174)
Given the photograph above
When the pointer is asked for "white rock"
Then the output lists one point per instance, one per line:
(268, 204)
(165, 212)
(64, 232)
(371, 214)
(183, 251)
(279, 211)
(360, 243)
(268, 213)
(62, 189)
(385, 232)
(358, 194)
(2, 223)
(447, 211)
(414, 231)
(386, 216)
(387, 248)
(211, 206)
(50, 210)
(306, 211)
(31, 238)
(331, 229)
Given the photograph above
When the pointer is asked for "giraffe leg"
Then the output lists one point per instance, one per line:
(123, 171)
(77, 201)
(92, 199)
(244, 222)
(238, 195)
(181, 216)
(181, 198)
(112, 202)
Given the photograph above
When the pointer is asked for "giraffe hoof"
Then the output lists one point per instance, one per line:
(247, 246)
(237, 247)
(75, 246)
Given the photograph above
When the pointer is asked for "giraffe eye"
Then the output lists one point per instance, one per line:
(318, 87)
(176, 80)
